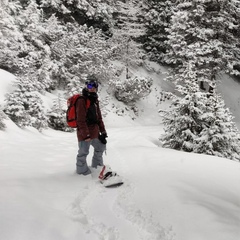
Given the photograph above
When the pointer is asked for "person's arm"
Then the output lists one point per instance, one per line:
(100, 121)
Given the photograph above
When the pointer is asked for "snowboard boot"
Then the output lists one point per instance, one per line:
(109, 178)
(106, 173)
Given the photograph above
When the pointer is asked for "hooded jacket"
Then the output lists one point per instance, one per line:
(89, 120)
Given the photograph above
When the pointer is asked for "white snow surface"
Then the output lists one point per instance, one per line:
(6, 84)
(166, 195)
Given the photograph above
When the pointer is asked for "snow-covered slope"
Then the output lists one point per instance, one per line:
(6, 84)
(229, 89)
(167, 194)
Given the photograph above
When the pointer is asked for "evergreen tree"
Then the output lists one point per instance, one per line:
(128, 28)
(198, 121)
(14, 107)
(26, 22)
(34, 108)
(11, 39)
(26, 44)
(24, 106)
(200, 32)
(157, 15)
(90, 12)
(39, 35)
(219, 135)
(229, 33)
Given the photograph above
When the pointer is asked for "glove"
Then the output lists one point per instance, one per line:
(102, 137)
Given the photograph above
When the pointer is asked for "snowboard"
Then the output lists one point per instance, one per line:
(109, 178)
(112, 181)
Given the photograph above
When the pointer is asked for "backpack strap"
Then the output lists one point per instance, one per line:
(88, 103)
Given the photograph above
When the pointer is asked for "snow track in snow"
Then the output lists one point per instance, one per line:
(142, 221)
(145, 227)
(97, 210)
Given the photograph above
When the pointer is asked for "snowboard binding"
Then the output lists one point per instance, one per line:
(109, 178)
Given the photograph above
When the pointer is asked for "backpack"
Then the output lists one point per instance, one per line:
(71, 116)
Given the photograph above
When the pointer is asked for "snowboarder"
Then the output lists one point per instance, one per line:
(90, 128)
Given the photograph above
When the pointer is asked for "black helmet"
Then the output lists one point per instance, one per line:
(91, 77)
(92, 81)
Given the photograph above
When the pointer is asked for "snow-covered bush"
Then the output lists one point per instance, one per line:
(132, 89)
(57, 121)
(57, 116)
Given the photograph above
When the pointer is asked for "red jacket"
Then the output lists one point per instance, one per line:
(86, 129)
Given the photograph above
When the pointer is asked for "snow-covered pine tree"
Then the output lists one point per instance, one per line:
(198, 121)
(11, 39)
(14, 107)
(219, 135)
(157, 14)
(181, 121)
(25, 41)
(34, 108)
(229, 33)
(199, 27)
(199, 53)
(28, 21)
(39, 34)
(93, 13)
(24, 106)
(128, 27)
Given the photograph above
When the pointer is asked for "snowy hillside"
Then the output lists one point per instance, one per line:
(167, 194)
(229, 90)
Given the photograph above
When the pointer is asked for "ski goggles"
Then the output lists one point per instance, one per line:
(92, 85)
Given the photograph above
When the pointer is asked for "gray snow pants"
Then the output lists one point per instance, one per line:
(83, 151)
